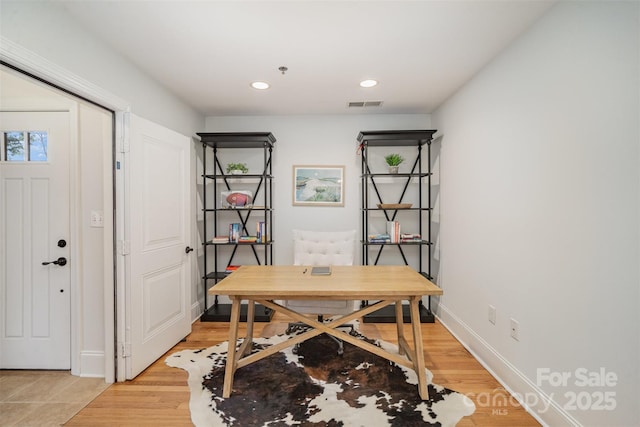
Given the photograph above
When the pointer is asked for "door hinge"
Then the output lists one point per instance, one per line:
(125, 349)
(124, 247)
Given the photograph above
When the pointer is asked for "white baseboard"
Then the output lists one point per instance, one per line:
(526, 392)
(92, 364)
(196, 311)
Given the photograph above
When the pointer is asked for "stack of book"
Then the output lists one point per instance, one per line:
(220, 239)
(247, 239)
(379, 238)
(231, 268)
(410, 238)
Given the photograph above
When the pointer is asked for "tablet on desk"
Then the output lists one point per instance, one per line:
(321, 270)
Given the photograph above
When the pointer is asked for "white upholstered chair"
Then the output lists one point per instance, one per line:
(323, 248)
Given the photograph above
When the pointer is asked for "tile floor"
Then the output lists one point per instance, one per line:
(44, 398)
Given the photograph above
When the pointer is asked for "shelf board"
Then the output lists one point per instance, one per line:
(215, 276)
(422, 242)
(396, 209)
(237, 139)
(245, 177)
(237, 209)
(222, 313)
(210, 243)
(397, 175)
(383, 138)
(388, 315)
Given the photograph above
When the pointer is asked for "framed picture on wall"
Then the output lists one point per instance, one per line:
(318, 185)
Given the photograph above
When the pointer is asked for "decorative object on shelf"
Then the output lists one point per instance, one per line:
(318, 185)
(236, 199)
(393, 160)
(237, 168)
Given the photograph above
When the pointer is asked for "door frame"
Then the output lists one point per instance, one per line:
(16, 56)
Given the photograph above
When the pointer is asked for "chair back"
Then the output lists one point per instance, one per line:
(323, 247)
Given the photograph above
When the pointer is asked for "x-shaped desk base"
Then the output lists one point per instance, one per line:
(408, 357)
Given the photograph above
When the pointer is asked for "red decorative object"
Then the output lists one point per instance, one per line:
(238, 199)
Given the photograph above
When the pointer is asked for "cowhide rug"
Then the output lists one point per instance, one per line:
(314, 387)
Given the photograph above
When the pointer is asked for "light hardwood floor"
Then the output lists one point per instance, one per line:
(160, 395)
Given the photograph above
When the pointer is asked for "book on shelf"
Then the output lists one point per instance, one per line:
(220, 239)
(231, 268)
(261, 232)
(247, 239)
(378, 238)
(410, 237)
(393, 230)
(234, 232)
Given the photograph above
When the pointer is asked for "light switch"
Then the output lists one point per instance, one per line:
(97, 219)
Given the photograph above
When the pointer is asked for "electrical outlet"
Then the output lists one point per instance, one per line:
(492, 314)
(515, 330)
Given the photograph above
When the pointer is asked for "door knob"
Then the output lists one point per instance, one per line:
(60, 261)
(187, 250)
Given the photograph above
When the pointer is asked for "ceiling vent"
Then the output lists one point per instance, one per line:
(363, 104)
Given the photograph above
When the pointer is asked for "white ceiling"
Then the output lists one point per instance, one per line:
(208, 52)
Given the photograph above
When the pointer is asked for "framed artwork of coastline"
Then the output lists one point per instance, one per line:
(318, 185)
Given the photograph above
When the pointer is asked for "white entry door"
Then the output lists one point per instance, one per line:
(159, 283)
(35, 319)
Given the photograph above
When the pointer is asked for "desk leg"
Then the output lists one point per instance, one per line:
(251, 310)
(231, 353)
(399, 325)
(417, 341)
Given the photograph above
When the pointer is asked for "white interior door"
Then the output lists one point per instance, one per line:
(158, 303)
(35, 319)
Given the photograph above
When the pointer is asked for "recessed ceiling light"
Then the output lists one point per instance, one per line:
(260, 85)
(368, 83)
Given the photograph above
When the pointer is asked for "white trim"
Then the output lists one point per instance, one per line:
(196, 309)
(121, 181)
(75, 235)
(546, 412)
(30, 62)
(26, 60)
(92, 363)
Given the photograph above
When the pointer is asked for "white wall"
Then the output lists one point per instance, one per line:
(46, 29)
(540, 210)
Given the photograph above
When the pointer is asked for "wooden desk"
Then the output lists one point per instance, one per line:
(264, 284)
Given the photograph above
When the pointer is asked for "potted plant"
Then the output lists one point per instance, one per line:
(237, 168)
(393, 160)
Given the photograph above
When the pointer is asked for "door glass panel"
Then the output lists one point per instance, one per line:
(38, 145)
(14, 146)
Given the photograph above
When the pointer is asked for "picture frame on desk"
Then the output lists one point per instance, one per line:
(318, 185)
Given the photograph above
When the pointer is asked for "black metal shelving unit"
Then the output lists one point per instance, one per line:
(421, 212)
(224, 253)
